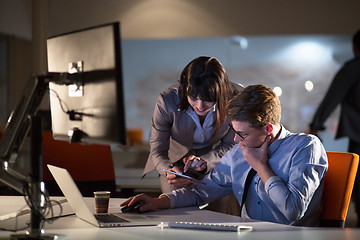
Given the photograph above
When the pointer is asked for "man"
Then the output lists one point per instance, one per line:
(290, 167)
(345, 90)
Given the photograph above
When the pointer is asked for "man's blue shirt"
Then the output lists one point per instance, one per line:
(293, 196)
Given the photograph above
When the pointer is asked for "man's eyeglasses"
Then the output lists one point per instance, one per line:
(239, 134)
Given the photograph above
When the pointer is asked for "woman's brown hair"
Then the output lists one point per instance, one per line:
(206, 78)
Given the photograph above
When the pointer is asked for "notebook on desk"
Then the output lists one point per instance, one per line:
(77, 203)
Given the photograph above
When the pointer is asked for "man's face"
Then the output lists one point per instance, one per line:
(248, 136)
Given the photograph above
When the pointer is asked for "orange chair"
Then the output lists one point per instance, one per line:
(91, 166)
(339, 182)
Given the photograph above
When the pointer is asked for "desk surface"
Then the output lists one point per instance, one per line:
(72, 227)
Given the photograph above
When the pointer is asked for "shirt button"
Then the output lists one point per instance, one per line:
(258, 202)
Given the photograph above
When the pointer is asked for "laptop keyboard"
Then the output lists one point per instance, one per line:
(109, 218)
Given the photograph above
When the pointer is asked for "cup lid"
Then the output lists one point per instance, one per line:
(102, 192)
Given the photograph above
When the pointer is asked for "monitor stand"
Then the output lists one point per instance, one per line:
(36, 187)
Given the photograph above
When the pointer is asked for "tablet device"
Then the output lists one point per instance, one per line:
(184, 176)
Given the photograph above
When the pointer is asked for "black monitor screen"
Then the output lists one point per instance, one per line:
(90, 109)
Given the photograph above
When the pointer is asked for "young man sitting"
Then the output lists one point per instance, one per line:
(288, 168)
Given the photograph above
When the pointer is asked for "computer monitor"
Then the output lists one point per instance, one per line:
(87, 106)
(84, 80)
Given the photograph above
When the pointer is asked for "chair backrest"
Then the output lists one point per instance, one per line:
(338, 185)
(91, 166)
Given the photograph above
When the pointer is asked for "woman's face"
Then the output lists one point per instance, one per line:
(200, 107)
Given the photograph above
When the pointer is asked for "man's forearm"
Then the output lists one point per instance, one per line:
(163, 202)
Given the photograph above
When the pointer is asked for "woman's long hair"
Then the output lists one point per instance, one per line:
(206, 78)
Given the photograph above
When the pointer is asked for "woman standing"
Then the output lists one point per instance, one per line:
(189, 126)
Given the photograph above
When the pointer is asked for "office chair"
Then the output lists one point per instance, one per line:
(338, 185)
(91, 166)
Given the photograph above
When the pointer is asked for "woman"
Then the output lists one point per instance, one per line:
(189, 126)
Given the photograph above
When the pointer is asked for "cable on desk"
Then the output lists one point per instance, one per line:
(43, 211)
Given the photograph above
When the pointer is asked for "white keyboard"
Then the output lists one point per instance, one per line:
(210, 226)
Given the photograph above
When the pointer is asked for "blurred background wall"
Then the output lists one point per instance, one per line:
(294, 47)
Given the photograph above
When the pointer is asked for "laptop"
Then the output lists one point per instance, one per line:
(102, 220)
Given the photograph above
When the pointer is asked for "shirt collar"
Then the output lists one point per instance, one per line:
(275, 145)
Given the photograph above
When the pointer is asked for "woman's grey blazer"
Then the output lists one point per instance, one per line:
(172, 133)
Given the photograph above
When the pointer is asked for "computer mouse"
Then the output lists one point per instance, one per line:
(131, 209)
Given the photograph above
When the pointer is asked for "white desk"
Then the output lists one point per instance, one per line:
(72, 227)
